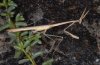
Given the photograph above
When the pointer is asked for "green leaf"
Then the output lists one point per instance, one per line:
(27, 49)
(37, 36)
(2, 5)
(20, 24)
(40, 53)
(3, 14)
(17, 48)
(21, 45)
(12, 37)
(11, 3)
(9, 21)
(19, 17)
(27, 43)
(12, 14)
(48, 62)
(24, 33)
(36, 42)
(4, 27)
(23, 61)
(4, 1)
(17, 54)
(31, 34)
(39, 41)
(11, 8)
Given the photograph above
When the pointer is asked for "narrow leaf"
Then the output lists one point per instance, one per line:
(22, 61)
(4, 27)
(36, 42)
(48, 62)
(20, 24)
(40, 53)
(12, 37)
(17, 54)
(38, 35)
(11, 8)
(27, 43)
(27, 49)
(11, 3)
(3, 14)
(19, 17)
(17, 48)
(24, 33)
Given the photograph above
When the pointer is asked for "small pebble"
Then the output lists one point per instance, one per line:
(97, 60)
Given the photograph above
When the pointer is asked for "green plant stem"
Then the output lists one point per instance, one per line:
(26, 54)
(8, 17)
(12, 25)
(29, 57)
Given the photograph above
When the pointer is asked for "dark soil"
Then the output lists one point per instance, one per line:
(85, 51)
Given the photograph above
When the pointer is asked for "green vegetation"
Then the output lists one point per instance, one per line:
(21, 41)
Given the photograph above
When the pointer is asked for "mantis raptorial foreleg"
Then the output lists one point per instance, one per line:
(68, 33)
(80, 21)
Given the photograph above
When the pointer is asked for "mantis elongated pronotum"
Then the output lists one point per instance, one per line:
(46, 27)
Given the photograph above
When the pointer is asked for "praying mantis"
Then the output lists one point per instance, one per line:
(47, 27)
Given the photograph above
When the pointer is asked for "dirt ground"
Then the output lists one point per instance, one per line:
(83, 51)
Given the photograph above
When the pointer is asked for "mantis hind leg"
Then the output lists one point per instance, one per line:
(54, 41)
(55, 47)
